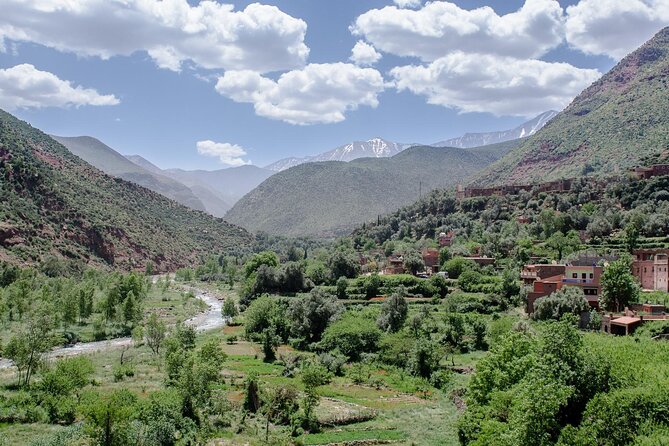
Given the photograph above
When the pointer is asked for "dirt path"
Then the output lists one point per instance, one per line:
(207, 320)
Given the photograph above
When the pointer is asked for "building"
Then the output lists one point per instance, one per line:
(446, 239)
(431, 260)
(531, 273)
(394, 265)
(588, 278)
(651, 268)
(652, 171)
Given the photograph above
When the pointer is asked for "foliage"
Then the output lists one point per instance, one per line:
(394, 311)
(619, 286)
(568, 300)
(310, 314)
(352, 335)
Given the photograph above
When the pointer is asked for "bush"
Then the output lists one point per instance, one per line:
(568, 300)
(458, 265)
(352, 335)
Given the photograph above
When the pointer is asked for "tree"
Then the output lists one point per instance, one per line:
(343, 264)
(131, 310)
(568, 300)
(229, 309)
(372, 286)
(292, 277)
(342, 285)
(310, 314)
(108, 417)
(440, 283)
(155, 333)
(85, 302)
(424, 358)
(619, 287)
(353, 335)
(394, 312)
(444, 256)
(457, 265)
(632, 236)
(27, 348)
(313, 376)
(413, 262)
(267, 258)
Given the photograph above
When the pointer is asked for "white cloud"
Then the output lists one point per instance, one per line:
(230, 154)
(364, 54)
(441, 27)
(502, 86)
(24, 86)
(614, 27)
(211, 35)
(407, 3)
(318, 93)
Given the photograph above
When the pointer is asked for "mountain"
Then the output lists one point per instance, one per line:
(374, 148)
(229, 185)
(216, 189)
(469, 140)
(95, 152)
(53, 203)
(329, 198)
(613, 125)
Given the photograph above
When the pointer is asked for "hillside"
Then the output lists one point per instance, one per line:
(612, 125)
(469, 140)
(329, 198)
(100, 155)
(54, 203)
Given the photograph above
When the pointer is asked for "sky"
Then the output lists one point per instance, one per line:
(208, 85)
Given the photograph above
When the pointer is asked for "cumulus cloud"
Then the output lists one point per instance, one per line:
(502, 86)
(24, 86)
(364, 54)
(230, 154)
(614, 27)
(407, 3)
(211, 35)
(318, 93)
(442, 27)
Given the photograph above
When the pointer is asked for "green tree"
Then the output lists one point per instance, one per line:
(229, 309)
(310, 314)
(108, 417)
(632, 236)
(155, 331)
(85, 302)
(413, 262)
(353, 335)
(372, 285)
(267, 258)
(342, 285)
(343, 264)
(568, 300)
(457, 265)
(27, 348)
(619, 287)
(394, 311)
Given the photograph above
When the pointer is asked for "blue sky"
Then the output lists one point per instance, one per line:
(155, 78)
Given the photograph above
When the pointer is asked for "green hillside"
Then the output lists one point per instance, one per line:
(611, 126)
(53, 203)
(98, 154)
(329, 198)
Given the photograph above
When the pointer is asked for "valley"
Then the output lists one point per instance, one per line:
(496, 288)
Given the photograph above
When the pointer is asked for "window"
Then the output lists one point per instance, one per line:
(584, 275)
(574, 276)
(592, 276)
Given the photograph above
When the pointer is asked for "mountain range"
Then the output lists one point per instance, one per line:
(382, 148)
(329, 198)
(469, 140)
(53, 203)
(616, 123)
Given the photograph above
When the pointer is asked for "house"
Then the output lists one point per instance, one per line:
(531, 273)
(482, 260)
(522, 219)
(394, 265)
(588, 278)
(431, 260)
(651, 268)
(446, 239)
(621, 325)
(649, 172)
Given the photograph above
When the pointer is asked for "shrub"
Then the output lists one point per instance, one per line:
(568, 300)
(352, 335)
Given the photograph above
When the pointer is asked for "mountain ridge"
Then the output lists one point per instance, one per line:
(611, 126)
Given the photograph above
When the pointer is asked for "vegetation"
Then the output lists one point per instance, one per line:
(330, 198)
(611, 125)
(53, 202)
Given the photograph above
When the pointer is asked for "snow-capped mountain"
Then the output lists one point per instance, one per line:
(469, 140)
(373, 148)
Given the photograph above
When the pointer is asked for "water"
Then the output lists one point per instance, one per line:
(207, 320)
